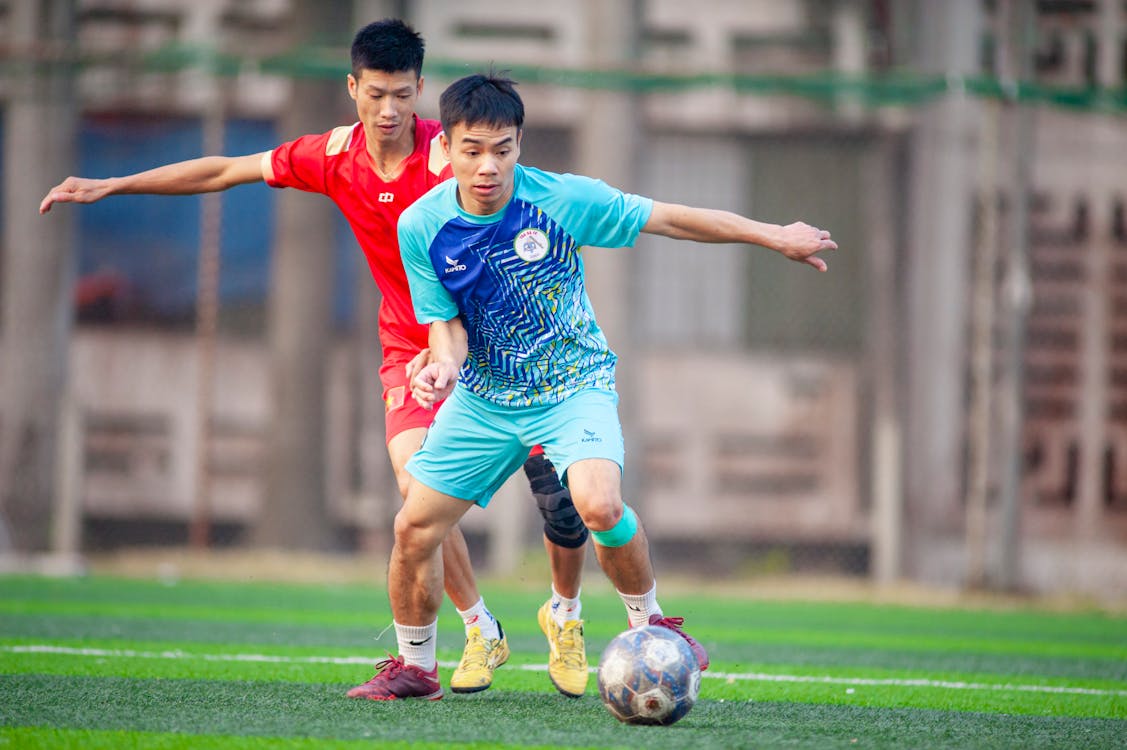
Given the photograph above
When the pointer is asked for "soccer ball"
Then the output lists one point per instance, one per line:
(648, 675)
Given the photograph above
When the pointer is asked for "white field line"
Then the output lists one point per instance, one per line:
(727, 676)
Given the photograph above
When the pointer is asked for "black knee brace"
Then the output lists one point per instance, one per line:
(562, 524)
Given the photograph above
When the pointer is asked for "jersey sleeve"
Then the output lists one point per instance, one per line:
(301, 163)
(431, 300)
(602, 216)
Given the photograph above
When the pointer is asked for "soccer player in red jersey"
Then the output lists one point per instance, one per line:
(373, 170)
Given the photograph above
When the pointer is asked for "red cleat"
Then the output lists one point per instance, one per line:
(395, 680)
(674, 624)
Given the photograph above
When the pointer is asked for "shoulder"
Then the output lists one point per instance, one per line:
(343, 138)
(332, 143)
(323, 145)
(306, 162)
(541, 180)
(538, 185)
(428, 139)
(535, 178)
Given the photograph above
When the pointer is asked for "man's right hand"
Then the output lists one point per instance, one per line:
(800, 241)
(434, 383)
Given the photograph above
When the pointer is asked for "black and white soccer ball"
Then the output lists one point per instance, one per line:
(648, 675)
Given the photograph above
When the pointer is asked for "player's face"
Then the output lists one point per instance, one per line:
(482, 158)
(385, 103)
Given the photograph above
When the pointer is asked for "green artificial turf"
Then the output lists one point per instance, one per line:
(102, 662)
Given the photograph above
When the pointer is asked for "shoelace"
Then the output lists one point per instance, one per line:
(570, 653)
(476, 652)
(675, 623)
(391, 666)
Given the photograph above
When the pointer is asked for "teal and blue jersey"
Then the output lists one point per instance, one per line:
(516, 279)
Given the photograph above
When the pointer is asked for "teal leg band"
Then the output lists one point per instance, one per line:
(621, 533)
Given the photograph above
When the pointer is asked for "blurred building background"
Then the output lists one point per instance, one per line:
(947, 405)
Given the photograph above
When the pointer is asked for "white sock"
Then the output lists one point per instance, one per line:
(639, 607)
(564, 609)
(479, 616)
(417, 644)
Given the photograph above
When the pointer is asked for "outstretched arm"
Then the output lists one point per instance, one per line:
(205, 175)
(448, 349)
(798, 241)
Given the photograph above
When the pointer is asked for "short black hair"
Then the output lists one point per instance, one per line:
(489, 99)
(389, 46)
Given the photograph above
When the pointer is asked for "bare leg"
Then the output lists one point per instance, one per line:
(567, 567)
(628, 567)
(423, 564)
(458, 576)
(414, 582)
(596, 490)
(415, 571)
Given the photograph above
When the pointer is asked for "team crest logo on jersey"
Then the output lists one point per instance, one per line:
(531, 244)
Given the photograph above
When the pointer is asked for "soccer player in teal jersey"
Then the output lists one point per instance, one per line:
(494, 267)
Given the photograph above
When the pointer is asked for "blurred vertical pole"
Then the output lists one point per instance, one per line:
(939, 255)
(1016, 44)
(983, 314)
(607, 140)
(981, 437)
(295, 510)
(888, 491)
(66, 525)
(879, 175)
(207, 322)
(1094, 342)
(849, 55)
(1096, 339)
(38, 265)
(373, 484)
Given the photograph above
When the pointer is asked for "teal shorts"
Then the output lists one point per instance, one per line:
(475, 445)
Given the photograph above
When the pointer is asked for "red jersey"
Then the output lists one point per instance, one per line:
(337, 164)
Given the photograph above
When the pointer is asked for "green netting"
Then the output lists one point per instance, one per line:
(901, 88)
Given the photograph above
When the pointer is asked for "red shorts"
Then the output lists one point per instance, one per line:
(401, 411)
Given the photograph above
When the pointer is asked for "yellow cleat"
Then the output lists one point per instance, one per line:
(567, 656)
(480, 657)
